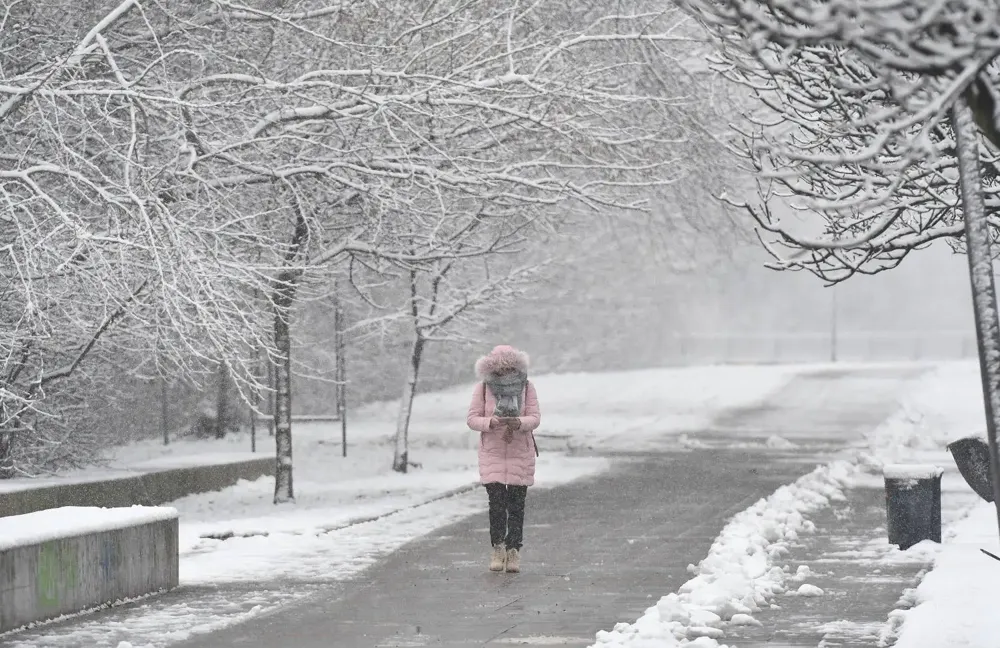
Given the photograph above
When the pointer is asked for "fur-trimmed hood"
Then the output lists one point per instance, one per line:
(500, 358)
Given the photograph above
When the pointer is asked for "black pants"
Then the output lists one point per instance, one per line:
(506, 514)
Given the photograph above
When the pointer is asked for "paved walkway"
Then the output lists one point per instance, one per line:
(861, 575)
(597, 552)
(824, 410)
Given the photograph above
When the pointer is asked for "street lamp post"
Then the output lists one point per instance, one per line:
(833, 324)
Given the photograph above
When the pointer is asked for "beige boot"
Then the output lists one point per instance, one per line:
(513, 561)
(498, 558)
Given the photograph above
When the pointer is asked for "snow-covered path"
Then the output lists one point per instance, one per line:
(315, 551)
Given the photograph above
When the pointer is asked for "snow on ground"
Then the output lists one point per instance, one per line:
(158, 621)
(955, 603)
(944, 405)
(640, 410)
(228, 582)
(632, 409)
(68, 521)
(740, 575)
(627, 411)
(351, 511)
(332, 542)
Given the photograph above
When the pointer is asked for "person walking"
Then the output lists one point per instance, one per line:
(504, 410)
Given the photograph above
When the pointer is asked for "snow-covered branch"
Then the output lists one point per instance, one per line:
(852, 130)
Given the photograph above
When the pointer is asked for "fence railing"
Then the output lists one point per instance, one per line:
(846, 346)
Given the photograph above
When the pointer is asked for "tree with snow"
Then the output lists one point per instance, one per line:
(444, 302)
(196, 169)
(403, 111)
(875, 113)
(102, 251)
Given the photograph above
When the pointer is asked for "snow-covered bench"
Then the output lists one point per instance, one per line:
(66, 560)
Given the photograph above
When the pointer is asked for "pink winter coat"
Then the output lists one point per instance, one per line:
(507, 463)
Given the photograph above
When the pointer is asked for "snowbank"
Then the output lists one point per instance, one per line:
(955, 603)
(944, 405)
(70, 521)
(957, 599)
(739, 576)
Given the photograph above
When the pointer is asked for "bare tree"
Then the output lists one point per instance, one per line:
(100, 247)
(178, 160)
(911, 81)
(441, 309)
(405, 110)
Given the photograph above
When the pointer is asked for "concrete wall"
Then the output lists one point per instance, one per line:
(72, 574)
(148, 489)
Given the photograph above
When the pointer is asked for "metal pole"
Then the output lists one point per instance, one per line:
(253, 411)
(984, 299)
(164, 412)
(833, 324)
(341, 373)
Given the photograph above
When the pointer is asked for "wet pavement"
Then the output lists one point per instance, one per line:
(602, 550)
(596, 552)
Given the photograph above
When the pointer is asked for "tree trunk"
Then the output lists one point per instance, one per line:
(984, 300)
(6, 454)
(341, 373)
(269, 395)
(164, 412)
(401, 459)
(285, 287)
(222, 403)
(256, 402)
(283, 490)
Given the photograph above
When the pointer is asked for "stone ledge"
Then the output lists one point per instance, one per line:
(74, 573)
(147, 489)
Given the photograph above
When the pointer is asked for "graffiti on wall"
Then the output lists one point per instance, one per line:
(107, 560)
(56, 573)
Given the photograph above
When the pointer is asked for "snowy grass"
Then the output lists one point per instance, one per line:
(956, 601)
(630, 410)
(623, 411)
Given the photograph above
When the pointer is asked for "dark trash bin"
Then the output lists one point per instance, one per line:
(913, 503)
(972, 456)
